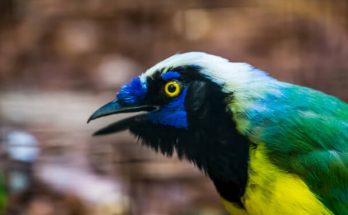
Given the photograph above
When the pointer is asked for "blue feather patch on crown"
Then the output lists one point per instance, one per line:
(170, 75)
(132, 93)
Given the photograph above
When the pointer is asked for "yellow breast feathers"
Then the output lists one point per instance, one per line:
(271, 191)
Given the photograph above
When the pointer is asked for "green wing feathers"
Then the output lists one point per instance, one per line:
(306, 133)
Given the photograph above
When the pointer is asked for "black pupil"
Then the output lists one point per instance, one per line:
(171, 88)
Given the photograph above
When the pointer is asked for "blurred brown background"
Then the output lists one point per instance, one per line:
(60, 60)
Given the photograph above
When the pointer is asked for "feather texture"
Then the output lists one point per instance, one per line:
(304, 132)
(270, 147)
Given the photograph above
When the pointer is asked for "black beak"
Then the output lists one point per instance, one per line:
(114, 107)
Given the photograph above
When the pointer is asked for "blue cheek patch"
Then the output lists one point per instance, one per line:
(170, 75)
(172, 114)
(132, 93)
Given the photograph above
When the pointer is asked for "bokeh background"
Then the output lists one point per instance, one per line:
(60, 60)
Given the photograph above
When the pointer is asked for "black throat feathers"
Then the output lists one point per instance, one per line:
(211, 140)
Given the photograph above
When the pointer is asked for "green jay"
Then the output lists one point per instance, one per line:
(269, 147)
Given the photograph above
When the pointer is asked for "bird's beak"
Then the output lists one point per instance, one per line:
(114, 107)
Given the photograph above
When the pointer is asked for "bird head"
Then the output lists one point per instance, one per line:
(185, 98)
(191, 102)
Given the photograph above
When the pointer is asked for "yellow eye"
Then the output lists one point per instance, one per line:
(172, 88)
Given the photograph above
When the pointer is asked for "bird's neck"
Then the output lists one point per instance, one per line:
(210, 141)
(223, 153)
(214, 146)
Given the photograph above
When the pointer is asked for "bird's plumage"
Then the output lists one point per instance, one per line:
(270, 147)
(305, 133)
